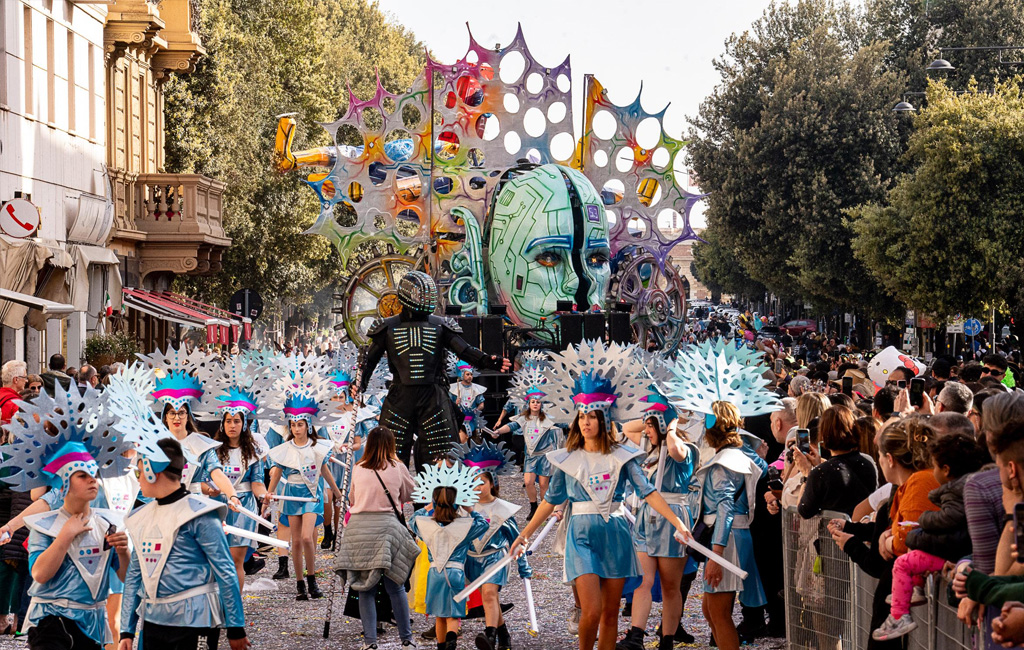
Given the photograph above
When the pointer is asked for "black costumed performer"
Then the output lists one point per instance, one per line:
(417, 343)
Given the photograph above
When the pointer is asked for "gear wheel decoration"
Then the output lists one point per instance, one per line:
(646, 177)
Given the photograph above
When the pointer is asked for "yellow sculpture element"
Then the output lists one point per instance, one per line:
(286, 160)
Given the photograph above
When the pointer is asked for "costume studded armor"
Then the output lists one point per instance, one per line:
(417, 344)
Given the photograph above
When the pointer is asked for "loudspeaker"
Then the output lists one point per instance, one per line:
(563, 305)
(593, 326)
(453, 310)
(619, 330)
(571, 329)
(492, 340)
(470, 329)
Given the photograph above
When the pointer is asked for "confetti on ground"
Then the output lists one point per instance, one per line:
(276, 621)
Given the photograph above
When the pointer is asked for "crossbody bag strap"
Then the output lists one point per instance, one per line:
(394, 508)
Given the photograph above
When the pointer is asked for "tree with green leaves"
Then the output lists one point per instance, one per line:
(263, 59)
(949, 237)
(800, 129)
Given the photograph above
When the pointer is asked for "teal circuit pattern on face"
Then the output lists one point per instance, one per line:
(548, 242)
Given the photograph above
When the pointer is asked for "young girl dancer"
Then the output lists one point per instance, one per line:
(241, 454)
(725, 385)
(597, 386)
(448, 535)
(300, 461)
(177, 391)
(502, 530)
(540, 434)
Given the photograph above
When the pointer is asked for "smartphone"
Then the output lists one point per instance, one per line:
(848, 386)
(803, 440)
(1018, 526)
(110, 531)
(916, 391)
(901, 384)
(778, 366)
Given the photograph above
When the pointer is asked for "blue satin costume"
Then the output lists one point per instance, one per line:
(443, 585)
(592, 544)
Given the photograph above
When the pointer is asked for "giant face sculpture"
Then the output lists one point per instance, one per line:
(548, 242)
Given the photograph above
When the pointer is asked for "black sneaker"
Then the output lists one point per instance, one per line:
(301, 586)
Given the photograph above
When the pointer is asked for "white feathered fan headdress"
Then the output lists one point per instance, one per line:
(461, 477)
(708, 373)
(591, 376)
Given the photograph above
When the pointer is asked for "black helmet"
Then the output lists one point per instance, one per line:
(417, 291)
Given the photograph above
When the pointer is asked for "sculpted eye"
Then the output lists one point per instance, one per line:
(548, 258)
(597, 258)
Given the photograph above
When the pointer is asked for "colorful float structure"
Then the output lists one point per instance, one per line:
(444, 176)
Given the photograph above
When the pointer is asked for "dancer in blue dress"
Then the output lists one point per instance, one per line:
(76, 549)
(492, 461)
(468, 398)
(669, 466)
(448, 534)
(724, 384)
(236, 392)
(298, 465)
(241, 455)
(540, 433)
(597, 386)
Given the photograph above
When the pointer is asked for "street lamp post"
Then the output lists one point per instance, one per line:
(941, 64)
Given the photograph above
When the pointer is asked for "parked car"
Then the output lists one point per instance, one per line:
(769, 332)
(797, 327)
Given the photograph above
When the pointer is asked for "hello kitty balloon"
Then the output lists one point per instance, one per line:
(889, 359)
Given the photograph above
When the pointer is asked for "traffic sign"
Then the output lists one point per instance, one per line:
(19, 218)
(972, 327)
(246, 303)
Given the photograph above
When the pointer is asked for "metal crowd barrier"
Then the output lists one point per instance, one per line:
(829, 599)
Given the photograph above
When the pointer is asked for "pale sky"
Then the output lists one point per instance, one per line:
(668, 45)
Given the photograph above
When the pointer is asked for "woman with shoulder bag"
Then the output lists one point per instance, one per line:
(377, 546)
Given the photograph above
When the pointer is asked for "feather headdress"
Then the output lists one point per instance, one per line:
(239, 385)
(177, 374)
(592, 376)
(708, 373)
(457, 366)
(461, 477)
(485, 457)
(54, 437)
(128, 398)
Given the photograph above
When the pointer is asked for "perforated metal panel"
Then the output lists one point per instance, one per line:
(654, 210)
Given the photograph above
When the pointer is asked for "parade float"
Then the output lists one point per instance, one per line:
(474, 175)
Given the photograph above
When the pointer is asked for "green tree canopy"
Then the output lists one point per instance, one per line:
(263, 59)
(800, 129)
(949, 238)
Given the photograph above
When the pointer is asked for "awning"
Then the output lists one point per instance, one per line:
(21, 260)
(45, 306)
(86, 256)
(95, 254)
(185, 311)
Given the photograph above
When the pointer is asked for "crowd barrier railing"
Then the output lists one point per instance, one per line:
(829, 599)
